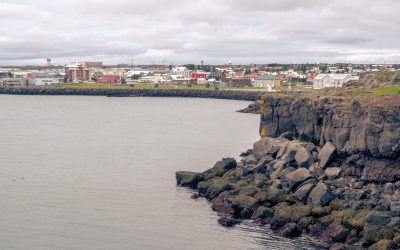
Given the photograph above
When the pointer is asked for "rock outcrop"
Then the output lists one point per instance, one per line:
(352, 126)
(329, 169)
(338, 200)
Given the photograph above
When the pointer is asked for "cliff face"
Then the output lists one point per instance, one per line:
(353, 126)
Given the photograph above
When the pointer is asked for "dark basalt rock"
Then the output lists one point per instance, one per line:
(188, 179)
(341, 184)
(228, 221)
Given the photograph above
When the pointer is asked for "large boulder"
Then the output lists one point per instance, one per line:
(244, 205)
(320, 195)
(289, 230)
(214, 187)
(220, 168)
(188, 179)
(303, 157)
(332, 173)
(289, 214)
(295, 178)
(374, 233)
(383, 245)
(304, 190)
(395, 207)
(266, 146)
(326, 154)
(377, 218)
(228, 221)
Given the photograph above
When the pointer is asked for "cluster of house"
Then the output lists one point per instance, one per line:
(269, 78)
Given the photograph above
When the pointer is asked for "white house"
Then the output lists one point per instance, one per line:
(177, 79)
(43, 79)
(330, 80)
(181, 71)
(267, 81)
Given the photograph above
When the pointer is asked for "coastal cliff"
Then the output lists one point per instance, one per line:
(327, 167)
(352, 125)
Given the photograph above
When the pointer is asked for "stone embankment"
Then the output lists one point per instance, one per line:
(125, 92)
(332, 171)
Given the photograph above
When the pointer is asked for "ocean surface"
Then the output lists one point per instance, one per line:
(80, 172)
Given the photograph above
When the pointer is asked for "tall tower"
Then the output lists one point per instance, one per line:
(48, 62)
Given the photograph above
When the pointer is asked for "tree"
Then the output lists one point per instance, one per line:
(190, 66)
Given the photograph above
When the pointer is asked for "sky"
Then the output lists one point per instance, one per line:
(190, 31)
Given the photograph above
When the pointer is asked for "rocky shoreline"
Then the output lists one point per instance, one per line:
(193, 93)
(326, 171)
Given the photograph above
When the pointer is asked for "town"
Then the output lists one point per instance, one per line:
(268, 77)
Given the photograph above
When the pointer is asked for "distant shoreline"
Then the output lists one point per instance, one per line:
(244, 95)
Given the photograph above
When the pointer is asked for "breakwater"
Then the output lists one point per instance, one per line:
(124, 92)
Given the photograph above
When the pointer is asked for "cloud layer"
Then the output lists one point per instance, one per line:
(179, 31)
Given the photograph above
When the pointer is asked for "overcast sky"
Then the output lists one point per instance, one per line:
(188, 31)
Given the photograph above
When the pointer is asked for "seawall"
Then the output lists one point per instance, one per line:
(193, 93)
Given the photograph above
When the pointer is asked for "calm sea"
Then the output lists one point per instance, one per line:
(99, 173)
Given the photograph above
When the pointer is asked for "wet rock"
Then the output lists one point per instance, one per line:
(287, 214)
(228, 221)
(262, 213)
(188, 179)
(289, 230)
(305, 222)
(320, 195)
(336, 232)
(222, 206)
(326, 154)
(303, 157)
(244, 205)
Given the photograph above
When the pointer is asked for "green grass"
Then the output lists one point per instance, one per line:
(384, 90)
(144, 86)
(387, 90)
(360, 91)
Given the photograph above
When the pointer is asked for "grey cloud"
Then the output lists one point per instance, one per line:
(179, 31)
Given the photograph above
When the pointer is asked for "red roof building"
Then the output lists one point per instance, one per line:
(239, 74)
(196, 75)
(311, 76)
(109, 79)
